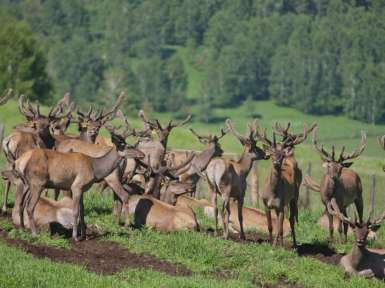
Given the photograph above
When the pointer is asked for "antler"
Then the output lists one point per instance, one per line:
(324, 154)
(357, 152)
(210, 138)
(233, 131)
(27, 112)
(335, 211)
(279, 130)
(7, 94)
(104, 117)
(180, 124)
(292, 139)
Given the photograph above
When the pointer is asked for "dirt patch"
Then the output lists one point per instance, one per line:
(102, 257)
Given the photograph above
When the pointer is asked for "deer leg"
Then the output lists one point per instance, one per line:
(240, 218)
(56, 193)
(269, 224)
(360, 207)
(279, 238)
(81, 218)
(77, 194)
(226, 217)
(331, 226)
(35, 192)
(113, 182)
(345, 226)
(117, 208)
(293, 217)
(214, 204)
(6, 192)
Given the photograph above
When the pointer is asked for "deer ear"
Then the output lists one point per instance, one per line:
(289, 152)
(374, 227)
(325, 165)
(347, 165)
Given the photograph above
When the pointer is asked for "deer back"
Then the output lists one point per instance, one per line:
(74, 145)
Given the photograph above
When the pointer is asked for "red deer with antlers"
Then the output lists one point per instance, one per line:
(228, 177)
(340, 186)
(282, 185)
(41, 168)
(35, 134)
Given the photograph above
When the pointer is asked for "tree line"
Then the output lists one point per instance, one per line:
(318, 56)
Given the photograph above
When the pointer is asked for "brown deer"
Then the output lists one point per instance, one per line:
(361, 260)
(340, 185)
(35, 134)
(228, 177)
(160, 215)
(42, 168)
(282, 184)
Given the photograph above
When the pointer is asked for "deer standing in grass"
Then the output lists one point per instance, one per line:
(228, 177)
(282, 184)
(34, 134)
(41, 168)
(340, 185)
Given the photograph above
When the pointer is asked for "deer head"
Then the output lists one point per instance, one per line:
(361, 230)
(249, 140)
(334, 165)
(90, 123)
(211, 140)
(4, 98)
(125, 150)
(60, 124)
(40, 122)
(162, 131)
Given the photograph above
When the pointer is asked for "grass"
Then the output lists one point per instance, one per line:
(208, 257)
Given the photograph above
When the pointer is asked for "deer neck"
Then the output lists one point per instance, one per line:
(357, 255)
(103, 166)
(245, 163)
(274, 179)
(203, 159)
(48, 140)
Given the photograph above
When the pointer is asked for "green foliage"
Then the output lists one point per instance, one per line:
(22, 63)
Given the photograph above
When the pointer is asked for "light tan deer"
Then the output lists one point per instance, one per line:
(340, 185)
(282, 184)
(41, 168)
(160, 215)
(228, 177)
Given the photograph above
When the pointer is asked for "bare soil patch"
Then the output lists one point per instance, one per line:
(103, 257)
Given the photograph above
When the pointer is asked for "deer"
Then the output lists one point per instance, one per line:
(35, 134)
(281, 188)
(200, 162)
(340, 185)
(43, 168)
(360, 260)
(161, 216)
(227, 178)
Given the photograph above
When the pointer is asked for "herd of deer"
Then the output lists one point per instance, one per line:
(153, 183)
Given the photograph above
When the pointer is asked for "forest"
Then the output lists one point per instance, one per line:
(318, 56)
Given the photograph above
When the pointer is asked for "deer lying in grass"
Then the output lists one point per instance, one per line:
(41, 168)
(228, 177)
(361, 260)
(323, 222)
(160, 215)
(36, 134)
(340, 186)
(253, 219)
(281, 187)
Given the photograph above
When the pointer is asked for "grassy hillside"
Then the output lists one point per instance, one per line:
(238, 265)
